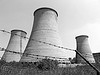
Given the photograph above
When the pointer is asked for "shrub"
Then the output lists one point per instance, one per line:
(47, 64)
(2, 62)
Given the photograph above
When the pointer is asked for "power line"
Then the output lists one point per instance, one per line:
(33, 55)
(40, 41)
(97, 70)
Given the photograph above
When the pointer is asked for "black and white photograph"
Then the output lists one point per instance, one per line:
(49, 37)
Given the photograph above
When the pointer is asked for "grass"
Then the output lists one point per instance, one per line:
(44, 67)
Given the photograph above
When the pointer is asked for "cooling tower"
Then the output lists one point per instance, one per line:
(45, 28)
(16, 43)
(84, 49)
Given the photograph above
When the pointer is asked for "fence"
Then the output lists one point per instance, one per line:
(50, 57)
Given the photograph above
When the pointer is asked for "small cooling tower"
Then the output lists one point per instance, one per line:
(15, 44)
(45, 28)
(84, 49)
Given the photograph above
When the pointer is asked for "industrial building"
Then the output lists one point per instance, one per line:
(16, 44)
(44, 41)
(45, 28)
(84, 48)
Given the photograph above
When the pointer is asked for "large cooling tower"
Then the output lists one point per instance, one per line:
(84, 49)
(16, 43)
(45, 28)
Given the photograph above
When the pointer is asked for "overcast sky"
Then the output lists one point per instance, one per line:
(76, 17)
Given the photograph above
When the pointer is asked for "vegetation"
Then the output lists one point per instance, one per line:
(44, 67)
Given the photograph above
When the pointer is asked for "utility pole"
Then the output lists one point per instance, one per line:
(97, 70)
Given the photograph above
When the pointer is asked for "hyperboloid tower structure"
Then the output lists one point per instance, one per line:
(84, 49)
(15, 44)
(45, 29)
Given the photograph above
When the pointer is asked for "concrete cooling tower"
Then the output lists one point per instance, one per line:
(84, 49)
(45, 28)
(15, 44)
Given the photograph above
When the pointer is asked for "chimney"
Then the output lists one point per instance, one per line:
(45, 28)
(16, 41)
(84, 49)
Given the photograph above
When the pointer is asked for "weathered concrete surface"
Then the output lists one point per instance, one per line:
(45, 28)
(84, 48)
(16, 43)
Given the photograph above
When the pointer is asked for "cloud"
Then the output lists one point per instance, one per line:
(79, 12)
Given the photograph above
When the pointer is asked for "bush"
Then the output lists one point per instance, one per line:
(44, 67)
(47, 64)
(2, 62)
